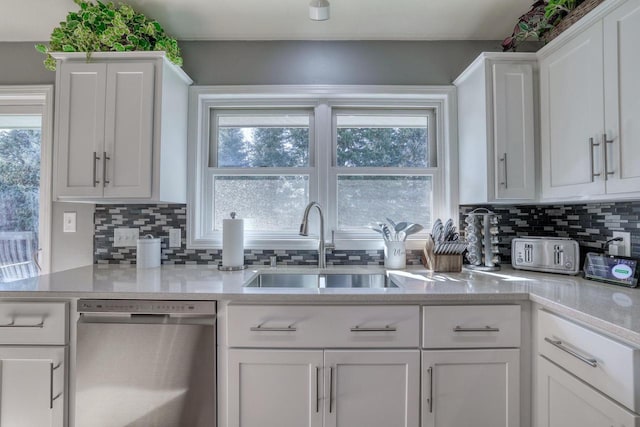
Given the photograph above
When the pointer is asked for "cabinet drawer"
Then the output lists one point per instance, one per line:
(323, 326)
(604, 363)
(33, 323)
(471, 326)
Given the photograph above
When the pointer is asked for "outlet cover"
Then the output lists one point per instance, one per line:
(626, 242)
(69, 222)
(125, 237)
(175, 238)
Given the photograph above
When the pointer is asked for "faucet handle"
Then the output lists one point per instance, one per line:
(331, 245)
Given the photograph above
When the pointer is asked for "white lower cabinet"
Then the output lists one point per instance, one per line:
(478, 388)
(565, 401)
(372, 388)
(32, 386)
(334, 388)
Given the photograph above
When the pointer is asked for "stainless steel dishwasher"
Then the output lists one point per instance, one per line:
(146, 363)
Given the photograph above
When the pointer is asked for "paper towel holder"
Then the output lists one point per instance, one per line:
(238, 268)
(234, 268)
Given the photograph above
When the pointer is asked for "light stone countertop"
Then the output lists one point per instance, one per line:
(613, 309)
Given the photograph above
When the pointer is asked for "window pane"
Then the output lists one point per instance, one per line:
(363, 199)
(267, 203)
(383, 140)
(19, 195)
(263, 140)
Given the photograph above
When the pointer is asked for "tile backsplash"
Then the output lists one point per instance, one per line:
(158, 219)
(590, 224)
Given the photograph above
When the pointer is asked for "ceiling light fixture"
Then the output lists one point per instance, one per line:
(319, 10)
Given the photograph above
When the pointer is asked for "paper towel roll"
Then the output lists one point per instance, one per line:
(232, 242)
(148, 254)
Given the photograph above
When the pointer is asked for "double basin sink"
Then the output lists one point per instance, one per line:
(321, 280)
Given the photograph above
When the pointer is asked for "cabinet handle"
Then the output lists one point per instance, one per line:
(51, 396)
(592, 145)
(261, 328)
(104, 167)
(485, 329)
(606, 156)
(95, 167)
(331, 389)
(317, 389)
(13, 325)
(506, 177)
(386, 328)
(557, 343)
(430, 399)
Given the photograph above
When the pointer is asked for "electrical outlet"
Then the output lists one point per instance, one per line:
(69, 222)
(626, 242)
(175, 238)
(124, 237)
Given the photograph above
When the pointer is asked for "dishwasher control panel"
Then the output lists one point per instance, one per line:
(146, 306)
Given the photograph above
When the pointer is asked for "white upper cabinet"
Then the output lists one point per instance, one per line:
(496, 129)
(121, 128)
(622, 101)
(589, 139)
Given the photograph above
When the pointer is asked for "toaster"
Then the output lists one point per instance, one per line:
(546, 254)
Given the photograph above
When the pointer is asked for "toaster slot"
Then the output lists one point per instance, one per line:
(557, 254)
(528, 253)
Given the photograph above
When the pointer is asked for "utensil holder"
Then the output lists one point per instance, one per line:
(395, 255)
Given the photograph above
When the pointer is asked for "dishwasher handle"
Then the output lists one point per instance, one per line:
(150, 319)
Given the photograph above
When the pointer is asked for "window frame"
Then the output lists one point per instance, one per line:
(38, 98)
(322, 99)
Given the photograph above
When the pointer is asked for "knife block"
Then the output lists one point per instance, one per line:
(441, 263)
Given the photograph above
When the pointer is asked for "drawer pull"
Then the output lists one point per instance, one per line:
(485, 329)
(261, 328)
(383, 329)
(13, 325)
(557, 343)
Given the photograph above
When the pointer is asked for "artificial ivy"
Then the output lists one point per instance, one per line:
(105, 27)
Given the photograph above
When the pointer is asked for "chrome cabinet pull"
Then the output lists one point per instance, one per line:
(386, 328)
(485, 329)
(592, 145)
(13, 325)
(331, 389)
(430, 399)
(95, 167)
(606, 157)
(261, 328)
(52, 368)
(506, 177)
(557, 343)
(104, 167)
(317, 389)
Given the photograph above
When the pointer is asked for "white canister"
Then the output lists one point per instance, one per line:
(148, 252)
(395, 255)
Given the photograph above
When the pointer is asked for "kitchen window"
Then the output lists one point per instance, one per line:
(364, 154)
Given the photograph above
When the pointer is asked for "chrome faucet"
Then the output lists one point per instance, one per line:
(304, 231)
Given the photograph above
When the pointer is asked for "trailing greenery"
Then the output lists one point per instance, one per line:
(558, 9)
(105, 27)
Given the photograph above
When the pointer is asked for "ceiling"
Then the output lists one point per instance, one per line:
(33, 20)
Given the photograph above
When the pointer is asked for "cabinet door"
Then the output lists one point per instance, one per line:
(622, 97)
(564, 401)
(463, 388)
(80, 135)
(513, 123)
(371, 388)
(129, 129)
(32, 386)
(275, 388)
(572, 112)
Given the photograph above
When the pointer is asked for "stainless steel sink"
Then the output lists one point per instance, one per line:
(327, 280)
